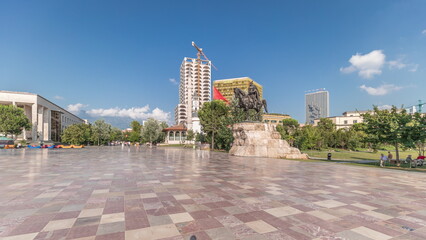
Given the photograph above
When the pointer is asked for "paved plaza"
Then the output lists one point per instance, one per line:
(172, 193)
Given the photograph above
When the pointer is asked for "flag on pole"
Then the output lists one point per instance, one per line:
(218, 96)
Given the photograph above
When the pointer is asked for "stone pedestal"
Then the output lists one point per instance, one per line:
(256, 139)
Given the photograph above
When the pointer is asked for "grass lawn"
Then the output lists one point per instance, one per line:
(177, 145)
(353, 155)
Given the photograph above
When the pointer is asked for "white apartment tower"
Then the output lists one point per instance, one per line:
(194, 90)
(317, 105)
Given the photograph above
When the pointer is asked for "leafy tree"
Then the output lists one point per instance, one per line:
(135, 134)
(101, 132)
(288, 130)
(77, 134)
(417, 132)
(341, 138)
(354, 138)
(214, 116)
(388, 126)
(307, 138)
(13, 120)
(116, 134)
(326, 128)
(200, 137)
(163, 135)
(151, 131)
(224, 138)
(190, 135)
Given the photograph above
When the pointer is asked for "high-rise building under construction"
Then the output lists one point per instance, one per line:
(194, 89)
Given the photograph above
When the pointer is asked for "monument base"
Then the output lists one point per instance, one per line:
(256, 139)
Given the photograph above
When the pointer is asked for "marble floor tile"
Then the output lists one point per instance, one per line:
(329, 203)
(261, 227)
(113, 217)
(59, 224)
(181, 217)
(282, 211)
(114, 193)
(371, 233)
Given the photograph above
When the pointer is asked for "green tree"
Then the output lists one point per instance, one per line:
(13, 120)
(190, 135)
(388, 126)
(341, 138)
(151, 131)
(308, 137)
(136, 133)
(361, 138)
(416, 132)
(76, 134)
(101, 132)
(116, 134)
(200, 137)
(162, 137)
(354, 138)
(288, 130)
(214, 116)
(224, 138)
(327, 129)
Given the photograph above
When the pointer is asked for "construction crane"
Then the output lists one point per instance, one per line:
(418, 106)
(199, 63)
(201, 53)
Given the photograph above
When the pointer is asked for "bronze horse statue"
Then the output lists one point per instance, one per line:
(250, 100)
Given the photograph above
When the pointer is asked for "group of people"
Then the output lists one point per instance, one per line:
(418, 162)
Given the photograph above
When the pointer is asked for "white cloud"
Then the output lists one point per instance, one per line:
(424, 32)
(134, 113)
(381, 90)
(398, 64)
(58, 97)
(367, 65)
(383, 107)
(172, 80)
(413, 68)
(75, 108)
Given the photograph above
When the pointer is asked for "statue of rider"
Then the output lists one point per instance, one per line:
(253, 94)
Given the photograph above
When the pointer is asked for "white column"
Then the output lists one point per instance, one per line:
(40, 117)
(34, 117)
(46, 124)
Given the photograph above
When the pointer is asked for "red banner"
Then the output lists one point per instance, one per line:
(218, 96)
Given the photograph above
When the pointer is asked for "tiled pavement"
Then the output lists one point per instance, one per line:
(169, 193)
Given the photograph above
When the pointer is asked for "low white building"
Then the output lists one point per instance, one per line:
(347, 120)
(48, 119)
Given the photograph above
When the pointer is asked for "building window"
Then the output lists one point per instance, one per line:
(273, 121)
(355, 121)
(345, 122)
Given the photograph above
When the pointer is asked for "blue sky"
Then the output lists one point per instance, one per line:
(117, 57)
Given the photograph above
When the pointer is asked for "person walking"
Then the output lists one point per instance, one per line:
(383, 159)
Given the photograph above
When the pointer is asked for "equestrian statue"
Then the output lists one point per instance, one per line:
(250, 100)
